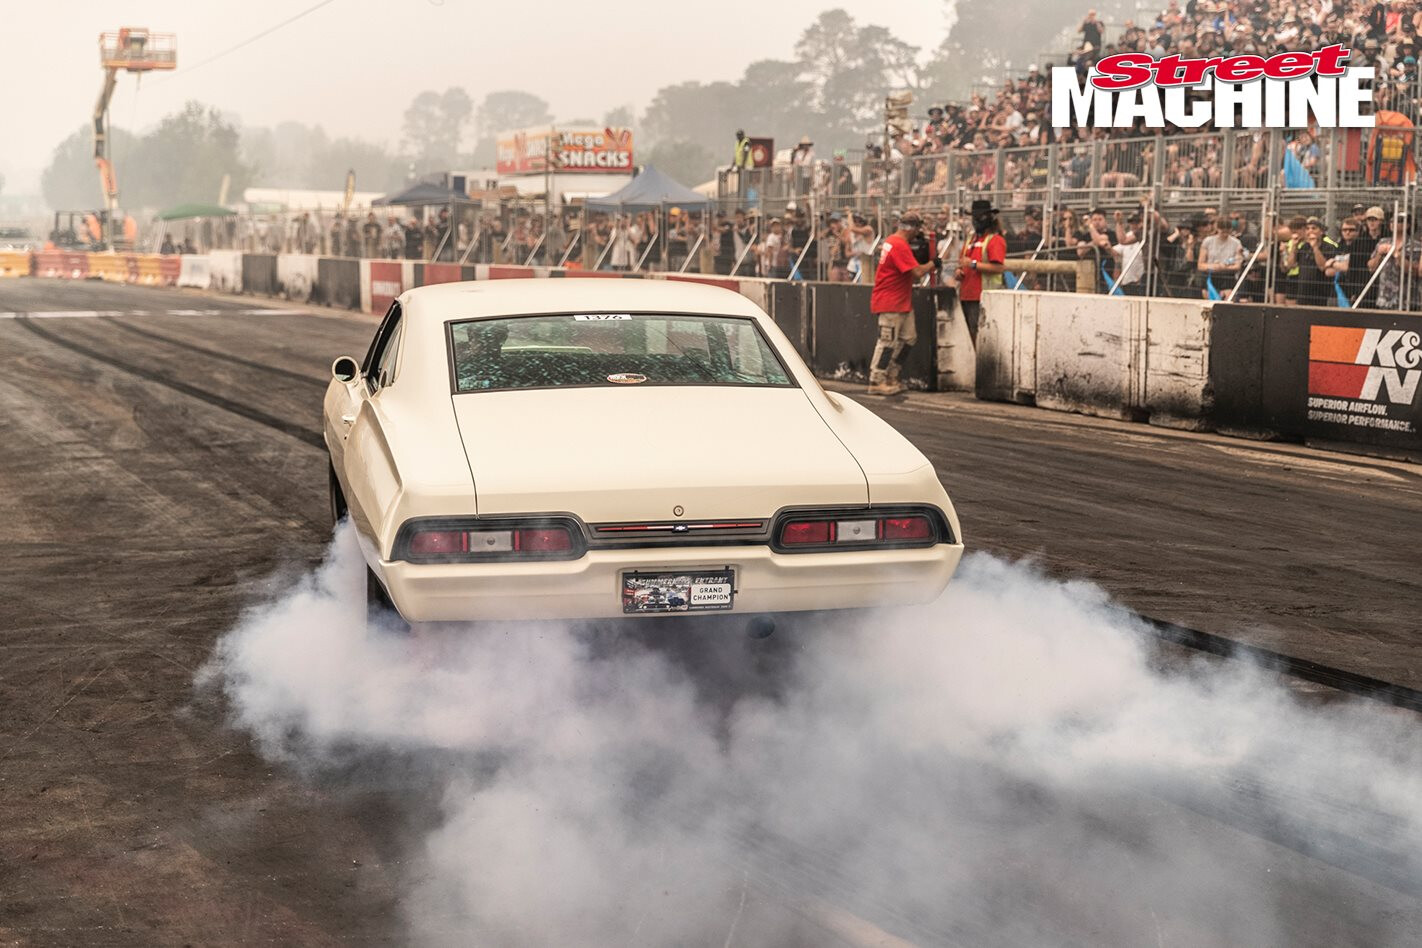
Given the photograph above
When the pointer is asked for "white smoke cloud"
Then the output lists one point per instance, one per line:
(1005, 767)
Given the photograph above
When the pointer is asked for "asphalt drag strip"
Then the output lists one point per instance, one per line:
(148, 521)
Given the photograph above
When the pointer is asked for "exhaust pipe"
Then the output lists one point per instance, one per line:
(760, 627)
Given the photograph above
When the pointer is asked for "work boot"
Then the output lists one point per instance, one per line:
(892, 385)
(879, 384)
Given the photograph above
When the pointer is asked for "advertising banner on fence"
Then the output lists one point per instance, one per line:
(572, 150)
(1321, 374)
(1363, 378)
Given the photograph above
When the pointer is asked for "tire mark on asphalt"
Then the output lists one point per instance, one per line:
(300, 433)
(301, 377)
(1349, 683)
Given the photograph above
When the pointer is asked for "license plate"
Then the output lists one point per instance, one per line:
(693, 591)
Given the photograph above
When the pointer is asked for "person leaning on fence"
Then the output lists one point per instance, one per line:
(891, 304)
(981, 263)
(1315, 259)
(1289, 239)
(1221, 257)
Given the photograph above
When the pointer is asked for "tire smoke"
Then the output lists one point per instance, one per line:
(1010, 766)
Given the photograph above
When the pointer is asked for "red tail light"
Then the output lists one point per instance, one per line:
(804, 532)
(437, 542)
(863, 529)
(543, 540)
(907, 528)
(483, 540)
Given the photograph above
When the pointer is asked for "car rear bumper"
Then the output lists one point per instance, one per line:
(591, 587)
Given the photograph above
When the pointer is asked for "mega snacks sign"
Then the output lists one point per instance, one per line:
(565, 150)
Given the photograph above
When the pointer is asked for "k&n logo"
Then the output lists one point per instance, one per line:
(1365, 364)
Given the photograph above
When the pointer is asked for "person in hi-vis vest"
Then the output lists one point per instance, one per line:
(981, 263)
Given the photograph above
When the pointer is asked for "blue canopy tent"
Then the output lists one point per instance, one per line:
(649, 191)
(652, 191)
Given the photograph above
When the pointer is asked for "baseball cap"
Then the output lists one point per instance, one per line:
(910, 219)
(1377, 212)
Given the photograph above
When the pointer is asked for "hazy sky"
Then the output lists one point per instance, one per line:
(354, 65)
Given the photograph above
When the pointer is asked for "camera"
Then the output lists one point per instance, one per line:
(921, 247)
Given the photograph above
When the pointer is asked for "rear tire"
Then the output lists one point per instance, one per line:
(339, 510)
(379, 609)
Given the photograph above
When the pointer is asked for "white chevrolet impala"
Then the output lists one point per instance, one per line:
(521, 449)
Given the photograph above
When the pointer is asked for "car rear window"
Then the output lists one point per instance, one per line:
(606, 349)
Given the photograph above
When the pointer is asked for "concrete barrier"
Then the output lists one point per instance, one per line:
(384, 280)
(259, 274)
(338, 282)
(15, 263)
(429, 273)
(225, 267)
(1115, 357)
(957, 361)
(1322, 375)
(296, 276)
(195, 270)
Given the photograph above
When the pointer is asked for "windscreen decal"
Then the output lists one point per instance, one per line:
(599, 317)
(627, 378)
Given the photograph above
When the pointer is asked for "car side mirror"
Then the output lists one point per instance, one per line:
(345, 369)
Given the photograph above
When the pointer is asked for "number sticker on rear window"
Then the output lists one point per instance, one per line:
(594, 317)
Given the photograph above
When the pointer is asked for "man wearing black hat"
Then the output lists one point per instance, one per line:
(981, 264)
(892, 305)
(937, 127)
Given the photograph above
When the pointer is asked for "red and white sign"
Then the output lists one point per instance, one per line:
(1286, 90)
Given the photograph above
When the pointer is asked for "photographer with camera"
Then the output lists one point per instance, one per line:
(981, 263)
(892, 304)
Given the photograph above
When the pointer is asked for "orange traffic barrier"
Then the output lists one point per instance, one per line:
(112, 267)
(62, 264)
(15, 263)
(151, 269)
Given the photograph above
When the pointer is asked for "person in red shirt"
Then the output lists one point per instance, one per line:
(981, 264)
(892, 304)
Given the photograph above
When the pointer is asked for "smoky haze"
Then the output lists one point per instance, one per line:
(387, 89)
(1005, 767)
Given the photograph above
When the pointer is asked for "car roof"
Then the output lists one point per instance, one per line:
(443, 302)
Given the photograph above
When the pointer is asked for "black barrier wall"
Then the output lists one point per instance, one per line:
(259, 274)
(1319, 374)
(337, 282)
(844, 333)
(790, 305)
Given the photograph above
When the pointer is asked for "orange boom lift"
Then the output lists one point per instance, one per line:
(136, 49)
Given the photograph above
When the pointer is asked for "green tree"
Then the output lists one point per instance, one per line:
(685, 161)
(434, 128)
(977, 50)
(183, 160)
(70, 181)
(504, 111)
(850, 68)
(620, 117)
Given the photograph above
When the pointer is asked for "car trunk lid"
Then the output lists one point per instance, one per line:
(626, 454)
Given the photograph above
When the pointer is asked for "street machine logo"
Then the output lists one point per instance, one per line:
(1287, 90)
(1365, 378)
